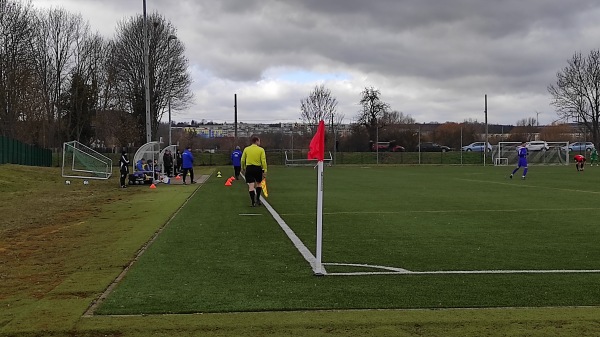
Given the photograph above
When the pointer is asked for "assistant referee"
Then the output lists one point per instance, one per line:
(254, 167)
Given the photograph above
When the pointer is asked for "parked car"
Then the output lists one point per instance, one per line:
(537, 145)
(477, 147)
(581, 146)
(432, 147)
(387, 146)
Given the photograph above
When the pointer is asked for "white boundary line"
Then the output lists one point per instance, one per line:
(456, 211)
(531, 186)
(310, 258)
(401, 271)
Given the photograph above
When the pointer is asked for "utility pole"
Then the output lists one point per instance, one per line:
(485, 146)
(235, 118)
(334, 138)
(147, 78)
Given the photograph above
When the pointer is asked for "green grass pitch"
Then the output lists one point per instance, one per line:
(220, 255)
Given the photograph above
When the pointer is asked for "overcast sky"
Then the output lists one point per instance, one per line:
(431, 59)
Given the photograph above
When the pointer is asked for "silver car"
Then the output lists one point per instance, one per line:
(537, 145)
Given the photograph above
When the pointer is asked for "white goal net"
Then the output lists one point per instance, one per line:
(80, 161)
(556, 153)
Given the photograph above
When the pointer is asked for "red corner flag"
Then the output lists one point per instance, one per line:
(317, 144)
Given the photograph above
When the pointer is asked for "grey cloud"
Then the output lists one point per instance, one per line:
(446, 53)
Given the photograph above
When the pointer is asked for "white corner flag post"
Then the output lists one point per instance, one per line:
(319, 267)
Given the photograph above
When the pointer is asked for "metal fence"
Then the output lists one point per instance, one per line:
(13, 151)
(277, 157)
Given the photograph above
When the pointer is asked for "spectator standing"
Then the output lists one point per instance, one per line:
(123, 168)
(188, 164)
(178, 162)
(236, 160)
(168, 162)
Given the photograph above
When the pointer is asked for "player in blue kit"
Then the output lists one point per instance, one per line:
(522, 153)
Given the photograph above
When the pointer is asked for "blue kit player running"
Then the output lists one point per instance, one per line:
(522, 153)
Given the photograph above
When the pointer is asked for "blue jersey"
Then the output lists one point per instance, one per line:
(236, 158)
(188, 159)
(522, 152)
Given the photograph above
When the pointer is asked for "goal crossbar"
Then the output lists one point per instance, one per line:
(306, 162)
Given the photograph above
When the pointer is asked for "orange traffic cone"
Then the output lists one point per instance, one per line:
(152, 186)
(228, 182)
(232, 178)
(178, 177)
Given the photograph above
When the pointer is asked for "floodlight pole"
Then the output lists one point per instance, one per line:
(377, 139)
(486, 132)
(419, 144)
(235, 121)
(334, 139)
(147, 78)
(461, 145)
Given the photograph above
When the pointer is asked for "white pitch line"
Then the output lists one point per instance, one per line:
(393, 269)
(465, 272)
(532, 186)
(402, 271)
(249, 214)
(308, 256)
(455, 211)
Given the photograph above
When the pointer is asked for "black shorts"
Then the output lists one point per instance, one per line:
(253, 174)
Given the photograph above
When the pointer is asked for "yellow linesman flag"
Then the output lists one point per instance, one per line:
(263, 184)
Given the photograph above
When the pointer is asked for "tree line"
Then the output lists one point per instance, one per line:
(60, 81)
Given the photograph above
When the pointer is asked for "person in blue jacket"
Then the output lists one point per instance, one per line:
(236, 160)
(188, 164)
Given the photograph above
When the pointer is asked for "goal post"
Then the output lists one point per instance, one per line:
(80, 161)
(557, 153)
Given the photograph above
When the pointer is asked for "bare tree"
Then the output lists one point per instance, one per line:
(396, 117)
(56, 45)
(168, 69)
(373, 109)
(576, 94)
(557, 133)
(17, 29)
(319, 105)
(524, 130)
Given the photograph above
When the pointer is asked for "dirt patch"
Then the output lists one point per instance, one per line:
(44, 224)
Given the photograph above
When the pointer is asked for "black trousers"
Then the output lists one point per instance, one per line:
(123, 177)
(185, 172)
